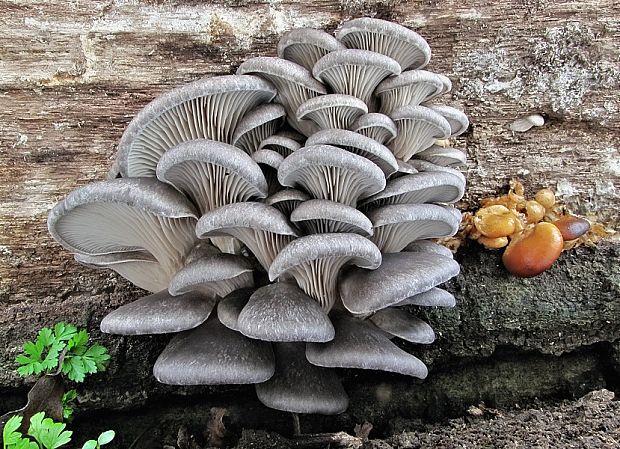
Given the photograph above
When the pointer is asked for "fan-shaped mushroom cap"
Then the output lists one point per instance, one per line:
(458, 121)
(206, 109)
(215, 275)
(124, 216)
(229, 308)
(283, 312)
(427, 187)
(418, 128)
(299, 387)
(315, 261)
(357, 144)
(212, 354)
(359, 344)
(332, 111)
(400, 276)
(442, 156)
(408, 89)
(270, 158)
(331, 173)
(138, 267)
(425, 166)
(294, 83)
(305, 46)
(257, 125)
(263, 229)
(388, 38)
(398, 225)
(402, 324)
(159, 313)
(447, 84)
(404, 168)
(435, 297)
(281, 144)
(212, 173)
(427, 246)
(287, 200)
(376, 126)
(323, 216)
(355, 72)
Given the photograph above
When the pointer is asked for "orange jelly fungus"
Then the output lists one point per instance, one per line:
(533, 251)
(572, 227)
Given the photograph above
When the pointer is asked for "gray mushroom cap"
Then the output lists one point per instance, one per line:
(323, 216)
(355, 72)
(376, 126)
(305, 46)
(262, 228)
(300, 387)
(435, 297)
(400, 276)
(402, 324)
(315, 261)
(357, 144)
(209, 108)
(404, 168)
(458, 120)
(283, 312)
(410, 88)
(359, 344)
(287, 200)
(159, 313)
(214, 275)
(425, 166)
(212, 354)
(442, 156)
(418, 128)
(427, 187)
(269, 158)
(388, 38)
(427, 246)
(281, 144)
(332, 111)
(212, 173)
(395, 226)
(229, 308)
(257, 125)
(316, 168)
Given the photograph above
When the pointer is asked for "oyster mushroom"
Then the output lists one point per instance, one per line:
(418, 128)
(426, 246)
(315, 262)
(287, 200)
(408, 89)
(458, 121)
(229, 308)
(257, 125)
(323, 216)
(206, 109)
(435, 297)
(305, 46)
(376, 126)
(331, 111)
(280, 144)
(442, 156)
(402, 324)
(269, 161)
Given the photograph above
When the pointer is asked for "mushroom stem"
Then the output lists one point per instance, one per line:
(296, 424)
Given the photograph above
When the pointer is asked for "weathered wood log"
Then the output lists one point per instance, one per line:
(72, 74)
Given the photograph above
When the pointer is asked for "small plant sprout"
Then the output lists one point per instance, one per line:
(104, 438)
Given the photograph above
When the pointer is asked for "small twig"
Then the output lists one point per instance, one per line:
(296, 425)
(332, 440)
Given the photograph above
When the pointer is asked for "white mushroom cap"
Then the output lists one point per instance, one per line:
(214, 275)
(359, 344)
(315, 262)
(299, 387)
(209, 108)
(124, 216)
(159, 313)
(355, 72)
(388, 38)
(331, 173)
(408, 89)
(287, 200)
(332, 111)
(418, 128)
(212, 354)
(281, 144)
(357, 144)
(435, 297)
(402, 324)
(400, 276)
(263, 229)
(458, 120)
(323, 216)
(442, 156)
(427, 187)
(305, 46)
(282, 312)
(257, 125)
(427, 246)
(212, 173)
(376, 126)
(229, 308)
(396, 226)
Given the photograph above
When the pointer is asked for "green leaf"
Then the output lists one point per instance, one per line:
(74, 368)
(67, 408)
(64, 331)
(106, 437)
(45, 337)
(90, 444)
(25, 443)
(10, 435)
(49, 434)
(41, 355)
(77, 344)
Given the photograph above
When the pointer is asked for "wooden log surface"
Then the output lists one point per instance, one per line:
(73, 73)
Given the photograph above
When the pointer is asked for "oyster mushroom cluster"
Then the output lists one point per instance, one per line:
(281, 216)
